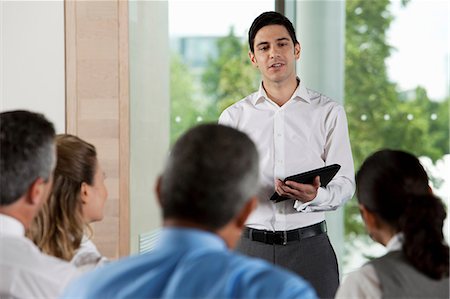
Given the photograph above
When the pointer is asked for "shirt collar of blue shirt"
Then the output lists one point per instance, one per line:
(300, 93)
(190, 238)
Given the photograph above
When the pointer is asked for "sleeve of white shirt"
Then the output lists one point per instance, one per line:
(363, 283)
(226, 119)
(337, 150)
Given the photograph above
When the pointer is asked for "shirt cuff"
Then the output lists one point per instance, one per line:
(321, 197)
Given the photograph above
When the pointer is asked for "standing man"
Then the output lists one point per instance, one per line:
(295, 129)
(28, 157)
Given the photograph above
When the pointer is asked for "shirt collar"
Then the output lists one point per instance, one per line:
(190, 238)
(300, 93)
(11, 226)
(395, 243)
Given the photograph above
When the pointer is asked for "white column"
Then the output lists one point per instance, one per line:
(149, 111)
(320, 28)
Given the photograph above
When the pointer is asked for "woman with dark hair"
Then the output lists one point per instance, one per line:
(401, 213)
(77, 198)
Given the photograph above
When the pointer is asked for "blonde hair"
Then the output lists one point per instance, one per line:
(59, 227)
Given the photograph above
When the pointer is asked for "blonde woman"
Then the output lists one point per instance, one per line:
(77, 198)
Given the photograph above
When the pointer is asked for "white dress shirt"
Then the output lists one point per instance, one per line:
(87, 257)
(309, 131)
(25, 271)
(364, 282)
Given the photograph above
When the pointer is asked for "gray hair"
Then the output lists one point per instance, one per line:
(27, 152)
(211, 173)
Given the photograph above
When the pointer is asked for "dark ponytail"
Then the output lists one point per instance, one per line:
(394, 186)
(421, 224)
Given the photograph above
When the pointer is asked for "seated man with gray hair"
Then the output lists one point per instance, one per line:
(206, 193)
(28, 157)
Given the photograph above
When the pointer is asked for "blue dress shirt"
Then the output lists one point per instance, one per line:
(189, 263)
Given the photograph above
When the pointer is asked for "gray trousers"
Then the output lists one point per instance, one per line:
(312, 258)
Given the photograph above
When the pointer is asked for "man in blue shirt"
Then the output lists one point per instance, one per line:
(206, 193)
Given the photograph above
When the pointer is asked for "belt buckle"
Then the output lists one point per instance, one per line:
(284, 237)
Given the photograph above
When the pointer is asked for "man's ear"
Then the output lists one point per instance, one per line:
(158, 190)
(252, 57)
(249, 206)
(297, 50)
(36, 192)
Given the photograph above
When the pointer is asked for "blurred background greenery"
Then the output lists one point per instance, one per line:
(380, 114)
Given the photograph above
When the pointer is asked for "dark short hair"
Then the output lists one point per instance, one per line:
(26, 150)
(270, 18)
(211, 173)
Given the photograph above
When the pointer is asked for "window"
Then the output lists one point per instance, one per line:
(396, 94)
(209, 66)
(396, 83)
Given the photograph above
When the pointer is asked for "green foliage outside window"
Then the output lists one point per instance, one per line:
(226, 79)
(183, 108)
(230, 76)
(378, 115)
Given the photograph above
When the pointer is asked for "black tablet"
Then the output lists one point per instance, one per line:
(326, 174)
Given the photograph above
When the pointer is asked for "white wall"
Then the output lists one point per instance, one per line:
(32, 65)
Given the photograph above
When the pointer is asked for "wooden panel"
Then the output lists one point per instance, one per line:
(71, 66)
(97, 79)
(98, 105)
(124, 130)
(93, 107)
(102, 236)
(105, 128)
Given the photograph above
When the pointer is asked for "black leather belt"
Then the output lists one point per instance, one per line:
(284, 237)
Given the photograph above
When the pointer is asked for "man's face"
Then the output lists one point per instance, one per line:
(275, 54)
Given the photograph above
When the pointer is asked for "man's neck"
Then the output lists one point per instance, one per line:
(281, 92)
(173, 222)
(223, 232)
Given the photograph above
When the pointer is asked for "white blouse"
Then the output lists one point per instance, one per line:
(364, 282)
(87, 257)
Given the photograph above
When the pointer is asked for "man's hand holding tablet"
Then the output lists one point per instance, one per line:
(304, 186)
